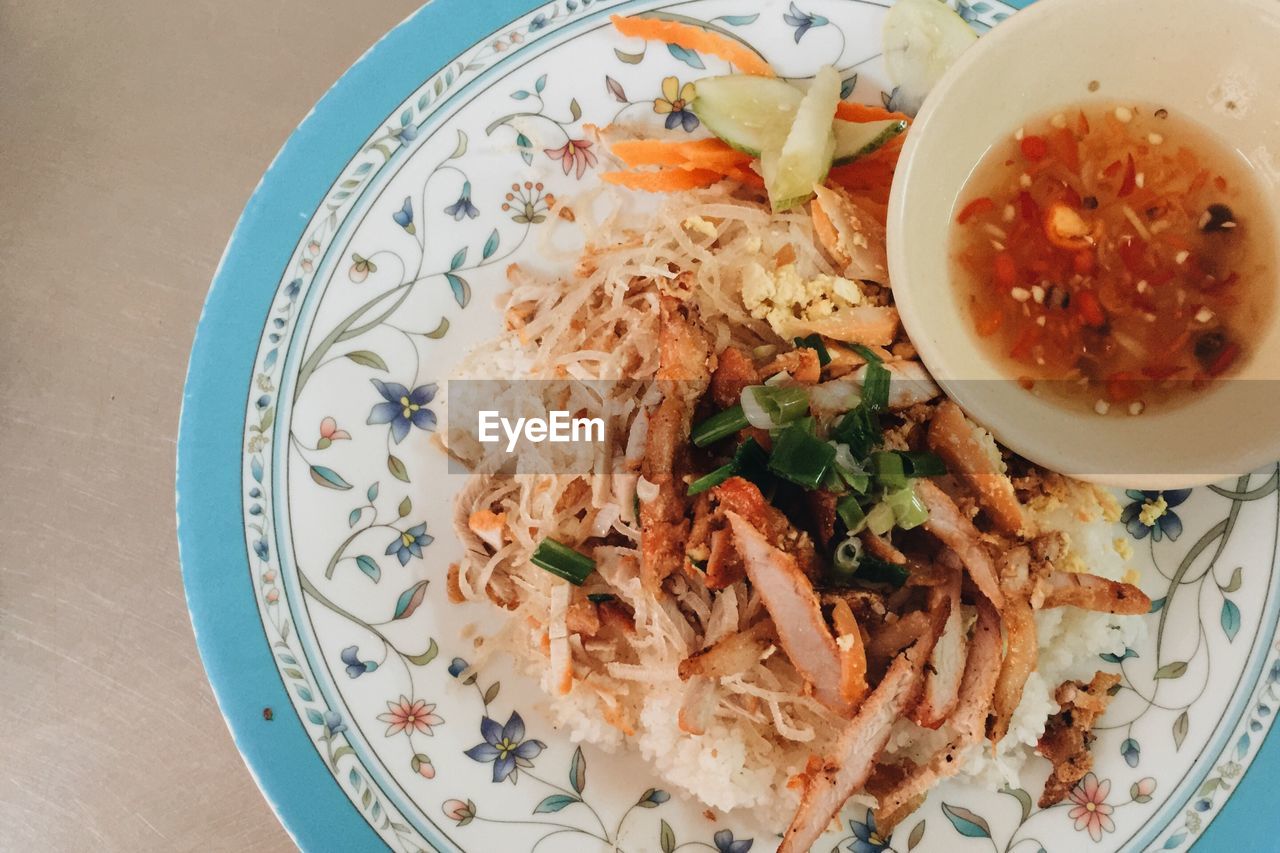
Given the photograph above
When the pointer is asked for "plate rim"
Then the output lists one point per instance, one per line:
(282, 760)
(305, 798)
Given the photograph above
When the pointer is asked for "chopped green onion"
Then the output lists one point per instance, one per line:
(922, 463)
(773, 406)
(875, 387)
(753, 462)
(858, 482)
(801, 457)
(880, 519)
(749, 461)
(908, 510)
(873, 570)
(851, 513)
(700, 565)
(814, 342)
(718, 426)
(713, 479)
(849, 564)
(600, 597)
(847, 555)
(562, 561)
(867, 354)
(888, 470)
(860, 429)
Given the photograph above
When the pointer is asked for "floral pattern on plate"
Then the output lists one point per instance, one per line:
(347, 499)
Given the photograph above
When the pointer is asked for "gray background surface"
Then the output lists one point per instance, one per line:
(131, 136)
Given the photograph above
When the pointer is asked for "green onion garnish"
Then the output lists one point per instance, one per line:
(715, 478)
(846, 557)
(922, 463)
(814, 342)
(880, 519)
(753, 462)
(873, 570)
(867, 354)
(875, 387)
(600, 597)
(888, 470)
(562, 561)
(749, 461)
(718, 426)
(860, 429)
(801, 457)
(850, 565)
(851, 513)
(773, 406)
(908, 510)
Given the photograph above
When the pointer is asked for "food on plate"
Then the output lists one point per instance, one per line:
(793, 573)
(1115, 256)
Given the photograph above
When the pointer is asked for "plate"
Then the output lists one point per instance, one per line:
(315, 519)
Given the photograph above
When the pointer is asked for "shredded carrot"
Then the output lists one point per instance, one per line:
(693, 38)
(870, 177)
(746, 177)
(849, 111)
(669, 179)
(689, 154)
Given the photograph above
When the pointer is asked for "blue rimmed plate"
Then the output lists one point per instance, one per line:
(314, 508)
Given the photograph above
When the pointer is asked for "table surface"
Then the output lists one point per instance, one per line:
(131, 135)
(129, 142)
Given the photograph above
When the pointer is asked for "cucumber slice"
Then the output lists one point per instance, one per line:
(749, 113)
(922, 39)
(805, 158)
(858, 139)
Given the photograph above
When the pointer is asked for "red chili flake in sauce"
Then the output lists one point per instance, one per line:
(1090, 308)
(1101, 265)
(973, 208)
(1225, 359)
(1034, 148)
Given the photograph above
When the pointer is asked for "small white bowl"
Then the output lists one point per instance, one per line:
(1213, 61)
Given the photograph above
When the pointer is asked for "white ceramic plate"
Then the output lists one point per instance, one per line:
(316, 535)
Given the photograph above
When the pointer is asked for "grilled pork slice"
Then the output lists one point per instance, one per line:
(683, 375)
(968, 722)
(946, 664)
(961, 445)
(735, 371)
(950, 526)
(1068, 733)
(1092, 592)
(828, 783)
(797, 616)
(743, 497)
(1021, 645)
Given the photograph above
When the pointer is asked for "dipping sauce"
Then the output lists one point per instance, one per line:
(1115, 256)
